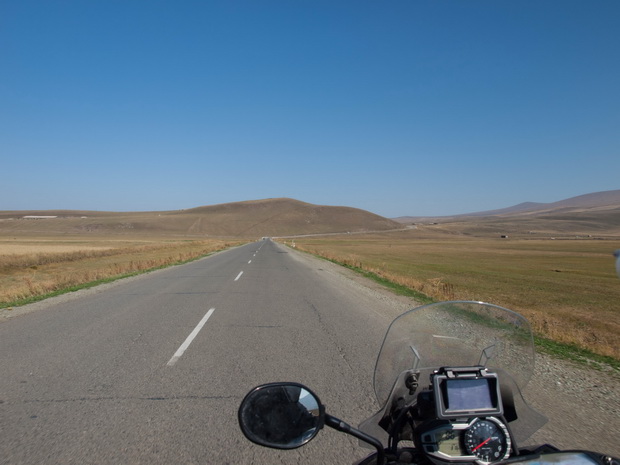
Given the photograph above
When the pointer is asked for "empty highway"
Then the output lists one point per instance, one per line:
(152, 370)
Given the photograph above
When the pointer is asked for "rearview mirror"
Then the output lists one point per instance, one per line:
(281, 415)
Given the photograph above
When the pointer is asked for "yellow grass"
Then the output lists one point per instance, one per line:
(28, 249)
(30, 268)
(567, 289)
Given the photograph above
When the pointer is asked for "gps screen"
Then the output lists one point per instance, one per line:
(468, 394)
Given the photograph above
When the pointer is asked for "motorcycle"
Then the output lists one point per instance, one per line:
(449, 377)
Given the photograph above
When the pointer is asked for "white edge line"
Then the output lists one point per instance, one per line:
(238, 276)
(190, 338)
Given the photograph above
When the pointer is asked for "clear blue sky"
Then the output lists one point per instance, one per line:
(399, 107)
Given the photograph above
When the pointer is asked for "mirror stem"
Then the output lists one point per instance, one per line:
(340, 425)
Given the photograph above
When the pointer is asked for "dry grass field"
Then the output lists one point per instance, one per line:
(34, 266)
(568, 289)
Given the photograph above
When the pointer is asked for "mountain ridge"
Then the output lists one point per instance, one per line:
(575, 204)
(596, 213)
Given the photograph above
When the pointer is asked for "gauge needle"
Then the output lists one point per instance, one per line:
(480, 445)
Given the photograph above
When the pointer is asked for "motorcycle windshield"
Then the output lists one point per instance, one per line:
(455, 334)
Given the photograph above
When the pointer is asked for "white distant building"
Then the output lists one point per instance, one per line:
(38, 217)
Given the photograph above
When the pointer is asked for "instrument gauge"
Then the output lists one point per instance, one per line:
(488, 440)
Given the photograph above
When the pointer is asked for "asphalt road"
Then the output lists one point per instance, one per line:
(106, 376)
(103, 378)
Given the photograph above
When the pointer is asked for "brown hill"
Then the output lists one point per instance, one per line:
(270, 217)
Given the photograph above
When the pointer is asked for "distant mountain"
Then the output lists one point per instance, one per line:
(596, 201)
(522, 207)
(256, 218)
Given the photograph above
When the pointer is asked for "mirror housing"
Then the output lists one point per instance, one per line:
(281, 415)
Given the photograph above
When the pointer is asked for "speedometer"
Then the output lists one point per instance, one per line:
(488, 440)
